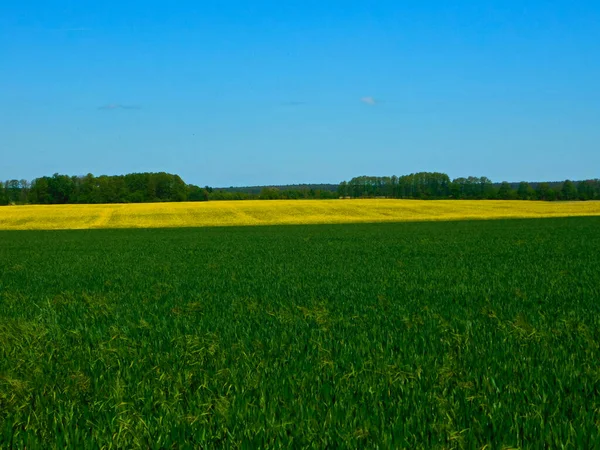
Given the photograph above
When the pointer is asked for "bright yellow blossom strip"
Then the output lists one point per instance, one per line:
(277, 212)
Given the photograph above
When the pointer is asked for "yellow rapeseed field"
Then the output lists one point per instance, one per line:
(277, 212)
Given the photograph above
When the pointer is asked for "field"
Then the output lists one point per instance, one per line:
(392, 335)
(280, 212)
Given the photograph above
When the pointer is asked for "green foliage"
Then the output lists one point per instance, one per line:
(130, 188)
(14, 192)
(422, 185)
(505, 192)
(568, 191)
(197, 194)
(222, 195)
(589, 190)
(411, 335)
(3, 195)
(296, 188)
(525, 191)
(342, 190)
(164, 187)
(270, 193)
(545, 192)
(428, 185)
(273, 193)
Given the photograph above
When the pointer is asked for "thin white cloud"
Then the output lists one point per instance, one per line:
(368, 101)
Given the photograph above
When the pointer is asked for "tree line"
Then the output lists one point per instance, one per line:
(306, 188)
(164, 187)
(435, 185)
(137, 188)
(130, 188)
(273, 193)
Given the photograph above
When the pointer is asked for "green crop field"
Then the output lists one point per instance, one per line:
(408, 335)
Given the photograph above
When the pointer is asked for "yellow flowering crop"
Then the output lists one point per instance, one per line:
(277, 212)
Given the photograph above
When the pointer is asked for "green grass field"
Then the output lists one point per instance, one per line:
(408, 335)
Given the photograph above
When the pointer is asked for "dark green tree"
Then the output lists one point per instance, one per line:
(60, 189)
(3, 196)
(270, 193)
(40, 191)
(568, 191)
(486, 188)
(197, 194)
(343, 189)
(505, 192)
(525, 191)
(13, 191)
(543, 191)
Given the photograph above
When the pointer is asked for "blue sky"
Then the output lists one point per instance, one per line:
(285, 91)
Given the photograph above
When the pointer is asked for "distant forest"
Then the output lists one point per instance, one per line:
(135, 188)
(165, 187)
(435, 185)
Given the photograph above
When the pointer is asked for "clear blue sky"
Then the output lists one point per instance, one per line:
(286, 91)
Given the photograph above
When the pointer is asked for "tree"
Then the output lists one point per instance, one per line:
(3, 196)
(588, 190)
(394, 186)
(585, 190)
(61, 189)
(568, 191)
(179, 189)
(269, 193)
(40, 191)
(456, 189)
(13, 191)
(525, 191)
(24, 185)
(343, 189)
(197, 194)
(88, 189)
(505, 192)
(486, 188)
(543, 191)
(465, 187)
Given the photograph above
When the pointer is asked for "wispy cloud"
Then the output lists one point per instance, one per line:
(113, 106)
(369, 101)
